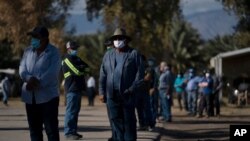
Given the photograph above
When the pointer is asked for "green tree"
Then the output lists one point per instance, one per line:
(147, 22)
(185, 48)
(242, 10)
(91, 49)
(219, 45)
(5, 54)
(19, 16)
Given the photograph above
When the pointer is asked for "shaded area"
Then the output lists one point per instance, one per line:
(193, 134)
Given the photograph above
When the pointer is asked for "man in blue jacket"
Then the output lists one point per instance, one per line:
(121, 74)
(207, 89)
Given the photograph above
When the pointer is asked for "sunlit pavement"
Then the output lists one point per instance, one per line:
(94, 125)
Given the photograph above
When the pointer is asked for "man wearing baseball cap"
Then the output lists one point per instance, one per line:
(74, 70)
(39, 70)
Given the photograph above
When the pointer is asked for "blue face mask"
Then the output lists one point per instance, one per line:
(73, 52)
(191, 75)
(35, 43)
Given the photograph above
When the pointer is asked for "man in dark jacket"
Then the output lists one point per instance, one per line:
(121, 74)
(74, 70)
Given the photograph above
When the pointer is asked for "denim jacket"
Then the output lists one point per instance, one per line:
(132, 72)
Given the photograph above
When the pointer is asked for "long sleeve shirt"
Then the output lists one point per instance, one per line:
(209, 88)
(166, 81)
(45, 67)
(178, 84)
(132, 72)
(192, 84)
(91, 82)
(75, 82)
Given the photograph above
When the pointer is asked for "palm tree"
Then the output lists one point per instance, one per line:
(185, 46)
(92, 50)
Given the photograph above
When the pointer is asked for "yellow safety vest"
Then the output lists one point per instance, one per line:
(73, 69)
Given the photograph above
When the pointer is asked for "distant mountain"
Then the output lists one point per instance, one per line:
(213, 23)
(209, 23)
(82, 25)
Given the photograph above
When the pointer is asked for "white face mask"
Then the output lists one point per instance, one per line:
(207, 74)
(119, 43)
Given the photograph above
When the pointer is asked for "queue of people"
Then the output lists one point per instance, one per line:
(128, 83)
(199, 92)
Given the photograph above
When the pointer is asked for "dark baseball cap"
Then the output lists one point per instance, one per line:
(108, 42)
(39, 31)
(72, 45)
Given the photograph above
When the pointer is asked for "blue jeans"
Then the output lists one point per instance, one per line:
(192, 101)
(45, 113)
(166, 105)
(5, 96)
(73, 106)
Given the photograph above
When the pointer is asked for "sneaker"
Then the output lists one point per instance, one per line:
(161, 120)
(150, 129)
(72, 137)
(5, 103)
(79, 135)
(199, 116)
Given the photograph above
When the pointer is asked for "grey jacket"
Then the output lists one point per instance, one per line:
(166, 81)
(132, 73)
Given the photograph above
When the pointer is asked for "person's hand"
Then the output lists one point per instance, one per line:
(32, 84)
(102, 98)
(147, 77)
(151, 91)
(127, 92)
(168, 96)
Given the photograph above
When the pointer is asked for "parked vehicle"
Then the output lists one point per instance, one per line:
(239, 91)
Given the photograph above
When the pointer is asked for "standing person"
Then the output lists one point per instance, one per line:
(153, 92)
(109, 46)
(150, 81)
(179, 88)
(91, 90)
(166, 82)
(39, 71)
(207, 89)
(216, 95)
(142, 103)
(6, 89)
(74, 70)
(192, 91)
(121, 75)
